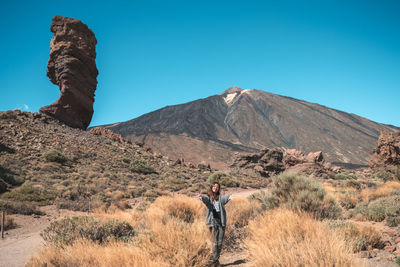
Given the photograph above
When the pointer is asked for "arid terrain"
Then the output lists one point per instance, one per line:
(143, 210)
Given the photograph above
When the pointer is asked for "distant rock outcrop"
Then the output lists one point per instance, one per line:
(386, 154)
(72, 66)
(266, 163)
(273, 161)
(107, 132)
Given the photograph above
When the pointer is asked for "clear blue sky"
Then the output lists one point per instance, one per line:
(340, 54)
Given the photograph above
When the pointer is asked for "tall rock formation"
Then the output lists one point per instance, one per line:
(386, 154)
(72, 67)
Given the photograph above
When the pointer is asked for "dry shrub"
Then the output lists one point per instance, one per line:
(9, 223)
(284, 238)
(384, 208)
(69, 230)
(177, 242)
(298, 192)
(177, 231)
(181, 207)
(24, 208)
(85, 253)
(360, 237)
(347, 199)
(381, 191)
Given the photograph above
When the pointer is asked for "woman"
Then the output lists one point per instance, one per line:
(216, 218)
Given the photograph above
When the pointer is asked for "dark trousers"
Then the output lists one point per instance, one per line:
(217, 236)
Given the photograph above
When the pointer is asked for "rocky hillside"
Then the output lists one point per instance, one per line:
(211, 129)
(43, 161)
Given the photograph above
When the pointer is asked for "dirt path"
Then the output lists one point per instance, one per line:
(21, 243)
(239, 192)
(234, 258)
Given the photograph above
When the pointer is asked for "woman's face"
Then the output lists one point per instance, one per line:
(215, 188)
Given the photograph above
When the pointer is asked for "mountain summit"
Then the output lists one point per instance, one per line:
(211, 129)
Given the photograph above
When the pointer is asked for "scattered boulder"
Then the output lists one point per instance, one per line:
(386, 154)
(315, 157)
(293, 157)
(180, 161)
(266, 163)
(72, 67)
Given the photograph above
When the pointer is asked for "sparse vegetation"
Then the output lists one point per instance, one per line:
(358, 236)
(141, 167)
(8, 177)
(94, 163)
(24, 208)
(345, 176)
(3, 186)
(224, 179)
(298, 192)
(385, 176)
(385, 208)
(55, 156)
(29, 193)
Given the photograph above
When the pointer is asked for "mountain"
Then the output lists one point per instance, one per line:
(238, 120)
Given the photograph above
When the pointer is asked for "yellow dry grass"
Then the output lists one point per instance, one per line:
(85, 253)
(240, 210)
(177, 231)
(381, 191)
(172, 232)
(285, 238)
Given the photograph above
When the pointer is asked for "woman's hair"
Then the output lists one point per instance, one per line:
(211, 194)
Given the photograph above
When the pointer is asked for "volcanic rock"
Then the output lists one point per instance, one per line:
(274, 161)
(72, 66)
(386, 154)
(266, 163)
(293, 157)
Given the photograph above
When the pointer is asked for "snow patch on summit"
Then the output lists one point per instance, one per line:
(229, 98)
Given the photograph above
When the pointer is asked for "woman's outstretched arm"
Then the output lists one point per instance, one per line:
(206, 200)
